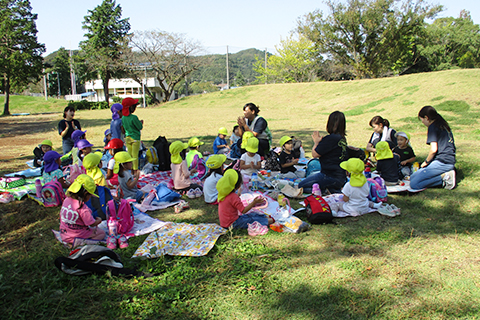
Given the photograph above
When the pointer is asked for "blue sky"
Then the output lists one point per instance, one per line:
(215, 24)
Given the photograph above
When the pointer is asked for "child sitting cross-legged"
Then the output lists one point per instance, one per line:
(76, 220)
(387, 165)
(250, 161)
(287, 160)
(194, 145)
(51, 168)
(180, 173)
(406, 154)
(231, 211)
(126, 179)
(220, 145)
(355, 192)
(215, 164)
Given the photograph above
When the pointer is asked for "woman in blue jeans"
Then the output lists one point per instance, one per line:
(438, 169)
(331, 150)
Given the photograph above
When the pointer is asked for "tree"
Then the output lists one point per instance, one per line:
(20, 53)
(107, 38)
(296, 61)
(452, 42)
(372, 36)
(171, 56)
(60, 74)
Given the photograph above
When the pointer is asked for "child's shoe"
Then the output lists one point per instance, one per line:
(122, 241)
(449, 179)
(191, 194)
(182, 205)
(386, 210)
(111, 242)
(198, 192)
(257, 229)
(395, 209)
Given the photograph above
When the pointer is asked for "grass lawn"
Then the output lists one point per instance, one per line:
(422, 264)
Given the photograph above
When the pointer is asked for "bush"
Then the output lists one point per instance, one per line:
(116, 99)
(87, 105)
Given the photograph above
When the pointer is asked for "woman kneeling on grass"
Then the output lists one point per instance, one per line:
(438, 169)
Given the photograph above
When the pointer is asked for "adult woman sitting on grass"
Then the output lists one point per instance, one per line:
(331, 150)
(438, 169)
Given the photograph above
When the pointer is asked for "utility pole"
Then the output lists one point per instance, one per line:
(73, 81)
(45, 84)
(228, 74)
(144, 86)
(265, 65)
(58, 82)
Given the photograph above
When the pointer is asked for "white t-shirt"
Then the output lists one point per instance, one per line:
(111, 164)
(358, 201)
(234, 138)
(255, 159)
(210, 188)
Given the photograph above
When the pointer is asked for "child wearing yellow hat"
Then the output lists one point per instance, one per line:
(355, 192)
(287, 160)
(220, 145)
(215, 166)
(194, 145)
(91, 163)
(76, 220)
(127, 180)
(180, 173)
(387, 164)
(250, 161)
(231, 211)
(39, 152)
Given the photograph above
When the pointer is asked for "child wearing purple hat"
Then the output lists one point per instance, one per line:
(51, 168)
(84, 148)
(116, 124)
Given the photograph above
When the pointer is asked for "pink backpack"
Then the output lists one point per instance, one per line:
(122, 212)
(72, 171)
(52, 194)
(199, 164)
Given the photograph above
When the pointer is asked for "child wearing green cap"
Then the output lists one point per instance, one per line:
(287, 160)
(250, 161)
(220, 145)
(215, 164)
(194, 145)
(387, 163)
(39, 152)
(355, 192)
(76, 220)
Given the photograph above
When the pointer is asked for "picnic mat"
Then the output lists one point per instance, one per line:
(338, 197)
(21, 191)
(180, 239)
(143, 224)
(404, 188)
(155, 178)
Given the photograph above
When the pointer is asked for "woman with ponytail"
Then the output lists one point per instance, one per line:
(438, 169)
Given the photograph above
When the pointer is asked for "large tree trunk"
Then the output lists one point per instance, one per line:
(105, 87)
(6, 109)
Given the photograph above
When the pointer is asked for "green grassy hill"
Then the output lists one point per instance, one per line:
(28, 104)
(423, 264)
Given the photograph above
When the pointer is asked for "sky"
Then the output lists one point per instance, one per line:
(215, 24)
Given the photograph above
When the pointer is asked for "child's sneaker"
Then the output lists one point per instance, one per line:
(111, 242)
(122, 241)
(198, 192)
(257, 229)
(449, 179)
(182, 205)
(191, 194)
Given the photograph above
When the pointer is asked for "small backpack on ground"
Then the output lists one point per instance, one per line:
(72, 171)
(122, 212)
(94, 259)
(151, 155)
(313, 166)
(99, 205)
(161, 145)
(317, 209)
(378, 190)
(272, 161)
(200, 165)
(52, 194)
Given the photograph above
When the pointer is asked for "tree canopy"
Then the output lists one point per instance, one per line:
(20, 53)
(371, 36)
(107, 39)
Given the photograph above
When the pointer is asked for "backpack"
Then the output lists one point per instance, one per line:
(72, 171)
(152, 156)
(164, 194)
(317, 209)
(52, 194)
(378, 190)
(199, 164)
(313, 166)
(99, 205)
(272, 162)
(161, 145)
(297, 144)
(94, 259)
(122, 212)
(235, 150)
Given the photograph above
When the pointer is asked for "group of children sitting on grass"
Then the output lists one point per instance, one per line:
(394, 158)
